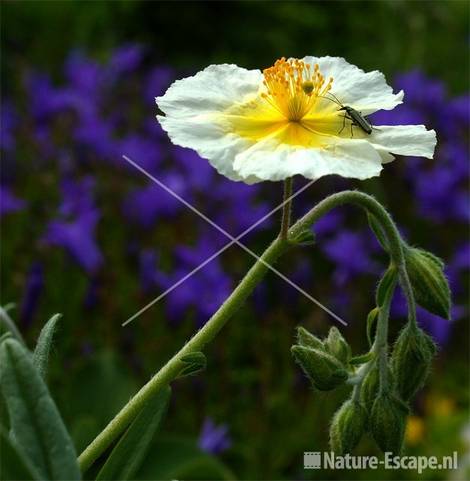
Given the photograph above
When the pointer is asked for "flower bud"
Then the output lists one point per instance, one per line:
(387, 422)
(411, 360)
(370, 386)
(307, 339)
(337, 346)
(347, 427)
(430, 287)
(325, 371)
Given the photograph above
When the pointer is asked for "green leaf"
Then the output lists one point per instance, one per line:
(362, 359)
(6, 335)
(14, 465)
(43, 346)
(304, 238)
(126, 458)
(180, 458)
(195, 362)
(371, 321)
(378, 231)
(8, 325)
(35, 421)
(386, 285)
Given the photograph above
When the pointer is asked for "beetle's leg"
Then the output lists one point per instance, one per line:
(344, 123)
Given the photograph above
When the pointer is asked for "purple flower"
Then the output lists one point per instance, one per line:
(9, 202)
(421, 90)
(202, 293)
(77, 237)
(75, 228)
(351, 252)
(84, 75)
(198, 172)
(125, 59)
(435, 192)
(77, 197)
(214, 439)
(142, 150)
(158, 80)
(145, 205)
(438, 327)
(329, 223)
(32, 293)
(96, 134)
(8, 122)
(47, 101)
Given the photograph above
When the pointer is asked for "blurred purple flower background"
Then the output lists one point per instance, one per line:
(104, 213)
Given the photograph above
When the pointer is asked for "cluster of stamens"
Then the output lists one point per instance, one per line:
(293, 87)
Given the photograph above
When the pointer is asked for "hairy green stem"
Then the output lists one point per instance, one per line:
(286, 210)
(381, 339)
(390, 230)
(173, 367)
(197, 343)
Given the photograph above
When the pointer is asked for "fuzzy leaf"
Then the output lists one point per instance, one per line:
(14, 465)
(194, 363)
(43, 345)
(126, 458)
(34, 419)
(8, 325)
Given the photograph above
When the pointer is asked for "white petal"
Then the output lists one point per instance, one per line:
(365, 92)
(208, 139)
(267, 160)
(213, 89)
(404, 140)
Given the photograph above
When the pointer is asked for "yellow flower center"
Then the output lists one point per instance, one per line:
(292, 107)
(293, 87)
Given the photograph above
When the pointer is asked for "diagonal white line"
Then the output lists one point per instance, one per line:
(216, 254)
(233, 241)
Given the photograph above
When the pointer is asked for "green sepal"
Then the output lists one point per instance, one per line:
(35, 422)
(324, 370)
(128, 455)
(372, 318)
(371, 385)
(337, 346)
(307, 339)
(347, 427)
(411, 360)
(430, 286)
(304, 238)
(44, 343)
(386, 286)
(194, 362)
(388, 421)
(362, 359)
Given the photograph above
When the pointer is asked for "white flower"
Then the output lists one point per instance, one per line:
(255, 126)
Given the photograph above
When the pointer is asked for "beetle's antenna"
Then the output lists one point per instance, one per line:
(335, 99)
